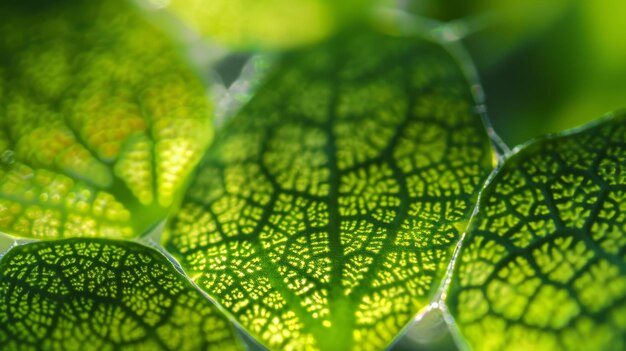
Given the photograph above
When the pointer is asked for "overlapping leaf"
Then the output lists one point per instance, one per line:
(326, 212)
(544, 265)
(100, 120)
(267, 23)
(93, 294)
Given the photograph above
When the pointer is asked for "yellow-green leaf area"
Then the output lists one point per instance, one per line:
(100, 120)
(97, 294)
(544, 264)
(326, 212)
(272, 24)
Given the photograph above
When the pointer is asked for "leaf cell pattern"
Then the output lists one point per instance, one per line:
(93, 294)
(99, 119)
(324, 215)
(544, 265)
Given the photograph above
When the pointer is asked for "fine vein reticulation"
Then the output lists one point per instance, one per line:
(94, 294)
(100, 120)
(326, 212)
(544, 267)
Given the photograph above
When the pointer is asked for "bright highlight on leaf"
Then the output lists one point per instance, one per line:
(544, 267)
(93, 294)
(326, 212)
(266, 23)
(100, 120)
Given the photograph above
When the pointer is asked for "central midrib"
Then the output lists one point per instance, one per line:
(340, 306)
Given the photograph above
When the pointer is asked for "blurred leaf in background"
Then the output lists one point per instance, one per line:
(269, 24)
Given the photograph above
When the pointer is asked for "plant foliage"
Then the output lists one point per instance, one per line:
(543, 265)
(100, 120)
(95, 294)
(326, 213)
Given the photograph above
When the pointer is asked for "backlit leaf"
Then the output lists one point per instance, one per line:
(94, 294)
(100, 120)
(326, 212)
(267, 23)
(544, 264)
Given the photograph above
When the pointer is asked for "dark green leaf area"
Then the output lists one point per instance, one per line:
(93, 294)
(544, 265)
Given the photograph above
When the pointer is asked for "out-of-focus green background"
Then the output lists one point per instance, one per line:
(545, 65)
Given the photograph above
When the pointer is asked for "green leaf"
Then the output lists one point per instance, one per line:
(100, 120)
(94, 294)
(543, 266)
(326, 212)
(267, 23)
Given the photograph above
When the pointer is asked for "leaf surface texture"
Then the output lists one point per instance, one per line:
(93, 294)
(100, 120)
(543, 266)
(326, 212)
